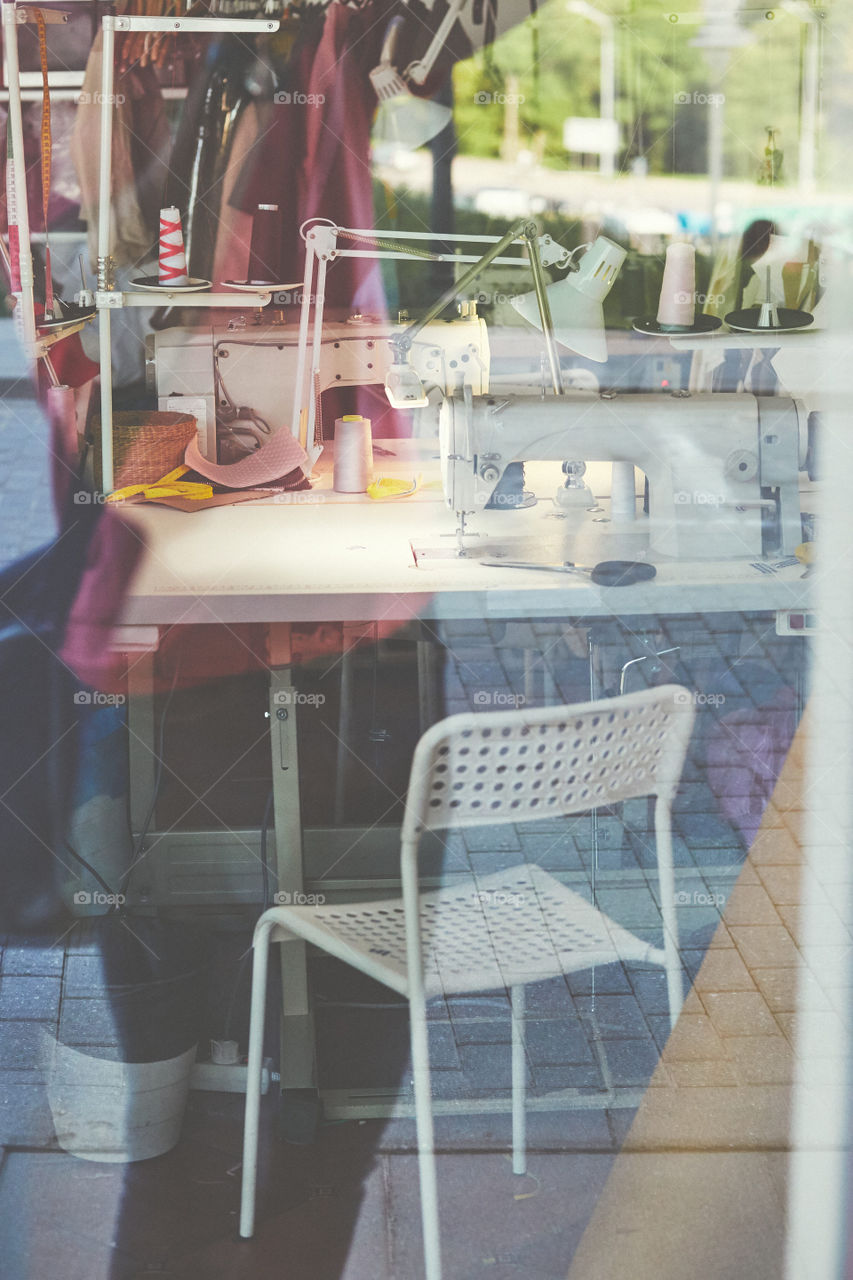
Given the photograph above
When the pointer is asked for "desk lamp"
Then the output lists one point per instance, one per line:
(576, 302)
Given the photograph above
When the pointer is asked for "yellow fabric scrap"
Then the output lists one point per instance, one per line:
(387, 487)
(169, 486)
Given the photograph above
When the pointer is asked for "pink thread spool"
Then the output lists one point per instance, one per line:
(173, 261)
(677, 305)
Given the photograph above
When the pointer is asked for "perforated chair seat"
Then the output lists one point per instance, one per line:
(515, 926)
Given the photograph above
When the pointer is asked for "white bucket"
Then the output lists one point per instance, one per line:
(117, 1112)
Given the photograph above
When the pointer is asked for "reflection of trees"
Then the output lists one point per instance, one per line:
(662, 86)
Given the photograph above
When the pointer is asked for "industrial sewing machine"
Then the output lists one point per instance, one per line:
(722, 469)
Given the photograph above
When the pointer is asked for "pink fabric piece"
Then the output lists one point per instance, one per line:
(275, 459)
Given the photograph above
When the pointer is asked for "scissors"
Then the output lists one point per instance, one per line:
(608, 573)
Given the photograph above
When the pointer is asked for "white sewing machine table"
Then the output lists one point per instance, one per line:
(320, 556)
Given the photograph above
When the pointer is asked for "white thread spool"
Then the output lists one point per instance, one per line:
(677, 305)
(353, 454)
(623, 493)
(173, 261)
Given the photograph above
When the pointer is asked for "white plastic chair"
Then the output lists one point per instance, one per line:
(501, 930)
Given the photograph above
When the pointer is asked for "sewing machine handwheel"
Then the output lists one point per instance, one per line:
(622, 573)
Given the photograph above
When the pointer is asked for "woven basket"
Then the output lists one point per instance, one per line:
(146, 445)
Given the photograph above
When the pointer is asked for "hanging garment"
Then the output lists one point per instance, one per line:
(231, 77)
(140, 146)
(338, 182)
(273, 170)
(234, 227)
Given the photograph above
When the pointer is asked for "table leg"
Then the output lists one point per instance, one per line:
(297, 1032)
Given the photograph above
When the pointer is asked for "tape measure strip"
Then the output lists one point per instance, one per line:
(12, 216)
(46, 151)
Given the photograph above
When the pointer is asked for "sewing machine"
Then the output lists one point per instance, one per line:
(723, 469)
(244, 373)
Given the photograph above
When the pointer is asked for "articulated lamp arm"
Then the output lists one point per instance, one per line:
(523, 230)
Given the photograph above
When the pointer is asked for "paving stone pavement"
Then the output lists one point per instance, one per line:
(26, 514)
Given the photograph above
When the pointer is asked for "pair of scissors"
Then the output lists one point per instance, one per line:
(608, 573)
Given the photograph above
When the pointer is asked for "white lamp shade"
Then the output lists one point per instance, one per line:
(576, 301)
(408, 121)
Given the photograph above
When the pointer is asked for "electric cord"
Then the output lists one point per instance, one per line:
(87, 866)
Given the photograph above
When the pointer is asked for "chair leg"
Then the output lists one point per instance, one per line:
(426, 1140)
(666, 876)
(253, 1081)
(519, 1083)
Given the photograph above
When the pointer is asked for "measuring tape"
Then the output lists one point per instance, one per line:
(12, 216)
(46, 150)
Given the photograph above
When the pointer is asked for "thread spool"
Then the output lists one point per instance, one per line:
(265, 249)
(353, 454)
(677, 305)
(623, 494)
(173, 261)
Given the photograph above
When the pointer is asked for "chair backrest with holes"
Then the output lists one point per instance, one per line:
(517, 766)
